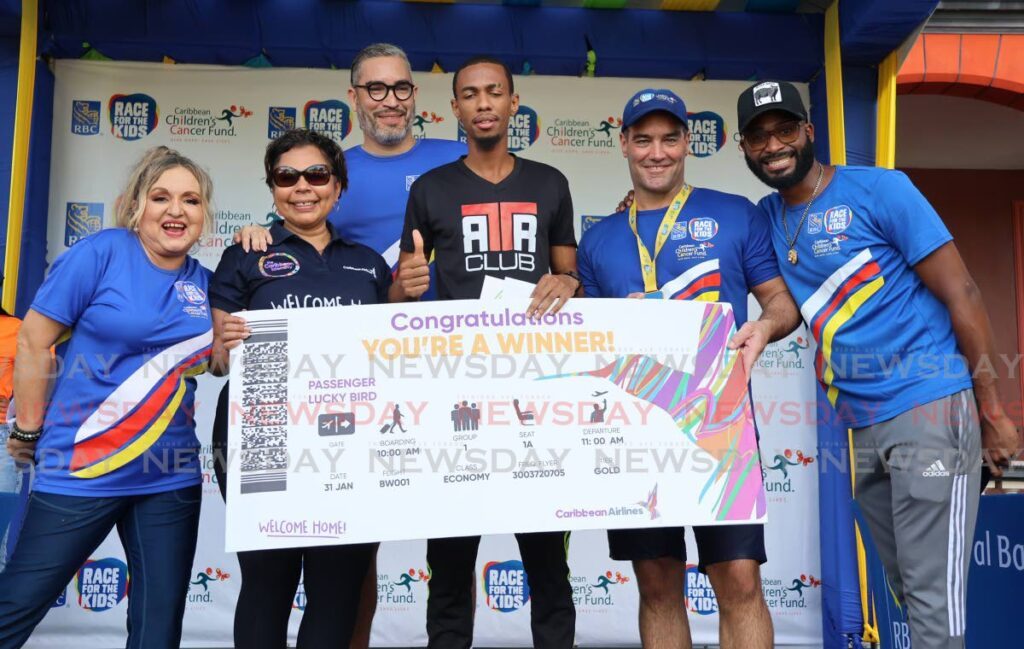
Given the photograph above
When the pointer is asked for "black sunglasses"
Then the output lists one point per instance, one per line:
(378, 90)
(316, 175)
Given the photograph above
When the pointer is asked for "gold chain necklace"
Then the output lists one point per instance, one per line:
(791, 256)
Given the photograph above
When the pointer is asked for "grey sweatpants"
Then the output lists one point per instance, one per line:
(917, 484)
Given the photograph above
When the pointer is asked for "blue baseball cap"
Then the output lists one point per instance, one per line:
(650, 100)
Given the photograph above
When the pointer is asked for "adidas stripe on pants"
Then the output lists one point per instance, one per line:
(918, 482)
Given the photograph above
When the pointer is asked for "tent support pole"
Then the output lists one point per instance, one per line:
(885, 144)
(19, 156)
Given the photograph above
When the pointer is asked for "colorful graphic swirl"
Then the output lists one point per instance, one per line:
(710, 406)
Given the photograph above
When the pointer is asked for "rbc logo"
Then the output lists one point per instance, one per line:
(331, 117)
(700, 596)
(85, 117)
(279, 120)
(707, 133)
(102, 584)
(133, 117)
(523, 129)
(82, 219)
(506, 586)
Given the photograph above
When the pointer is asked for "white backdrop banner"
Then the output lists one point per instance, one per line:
(106, 114)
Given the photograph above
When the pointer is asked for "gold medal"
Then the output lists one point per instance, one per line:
(792, 256)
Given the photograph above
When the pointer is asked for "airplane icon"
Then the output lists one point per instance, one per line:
(337, 423)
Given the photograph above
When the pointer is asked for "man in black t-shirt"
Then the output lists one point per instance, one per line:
(491, 213)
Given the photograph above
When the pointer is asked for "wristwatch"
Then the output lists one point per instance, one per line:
(27, 436)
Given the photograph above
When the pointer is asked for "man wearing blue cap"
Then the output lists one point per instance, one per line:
(680, 242)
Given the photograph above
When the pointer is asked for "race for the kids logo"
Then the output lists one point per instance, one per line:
(279, 120)
(699, 595)
(299, 601)
(132, 117)
(402, 590)
(102, 584)
(837, 219)
(85, 117)
(574, 135)
(186, 122)
(421, 120)
(199, 588)
(523, 129)
(193, 299)
(81, 220)
(703, 228)
(707, 133)
(505, 586)
(331, 117)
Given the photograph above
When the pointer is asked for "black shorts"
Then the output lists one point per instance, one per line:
(715, 544)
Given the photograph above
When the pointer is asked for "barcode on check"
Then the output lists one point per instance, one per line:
(264, 457)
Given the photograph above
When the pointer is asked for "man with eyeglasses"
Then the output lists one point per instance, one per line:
(901, 329)
(678, 242)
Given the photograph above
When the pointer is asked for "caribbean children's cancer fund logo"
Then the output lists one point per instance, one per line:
(402, 591)
(596, 592)
(199, 588)
(785, 356)
(573, 135)
(506, 586)
(779, 472)
(523, 129)
(699, 595)
(707, 133)
(789, 596)
(423, 119)
(331, 117)
(102, 584)
(132, 117)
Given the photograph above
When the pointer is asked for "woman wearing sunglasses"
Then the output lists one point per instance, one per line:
(306, 265)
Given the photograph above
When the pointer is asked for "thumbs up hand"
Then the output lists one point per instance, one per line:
(413, 278)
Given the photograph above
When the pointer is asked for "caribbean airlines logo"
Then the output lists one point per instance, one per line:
(699, 595)
(331, 117)
(279, 120)
(81, 220)
(506, 586)
(707, 133)
(499, 237)
(132, 117)
(85, 117)
(102, 584)
(651, 503)
(523, 129)
(421, 120)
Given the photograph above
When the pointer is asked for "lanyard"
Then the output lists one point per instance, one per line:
(647, 264)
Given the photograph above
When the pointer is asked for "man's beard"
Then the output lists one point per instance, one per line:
(382, 135)
(489, 142)
(804, 163)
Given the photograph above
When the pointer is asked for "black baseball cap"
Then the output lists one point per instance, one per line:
(764, 96)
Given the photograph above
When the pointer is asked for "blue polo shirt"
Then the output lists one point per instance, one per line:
(291, 274)
(372, 209)
(885, 342)
(717, 251)
(120, 418)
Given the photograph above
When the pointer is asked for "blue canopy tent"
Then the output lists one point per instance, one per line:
(845, 49)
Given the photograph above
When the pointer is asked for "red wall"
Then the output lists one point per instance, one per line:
(977, 207)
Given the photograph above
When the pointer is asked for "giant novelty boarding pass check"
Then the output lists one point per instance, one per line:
(390, 422)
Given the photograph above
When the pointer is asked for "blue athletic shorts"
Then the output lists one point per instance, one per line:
(715, 544)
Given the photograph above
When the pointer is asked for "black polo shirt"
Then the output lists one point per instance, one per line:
(291, 274)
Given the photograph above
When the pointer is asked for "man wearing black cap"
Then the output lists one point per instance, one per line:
(901, 330)
(680, 242)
